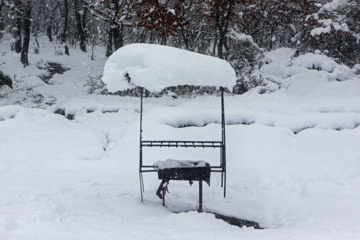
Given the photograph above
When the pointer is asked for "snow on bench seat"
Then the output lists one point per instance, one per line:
(172, 163)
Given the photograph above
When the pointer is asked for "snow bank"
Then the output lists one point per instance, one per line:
(41, 135)
(156, 67)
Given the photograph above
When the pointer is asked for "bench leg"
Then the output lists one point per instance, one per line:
(200, 196)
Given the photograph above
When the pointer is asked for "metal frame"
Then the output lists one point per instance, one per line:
(185, 144)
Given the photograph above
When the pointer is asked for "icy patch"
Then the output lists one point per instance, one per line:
(156, 67)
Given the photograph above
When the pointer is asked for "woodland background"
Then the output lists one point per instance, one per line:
(239, 31)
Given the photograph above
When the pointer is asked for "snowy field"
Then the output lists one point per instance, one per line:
(293, 155)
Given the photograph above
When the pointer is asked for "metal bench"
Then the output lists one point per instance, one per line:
(190, 174)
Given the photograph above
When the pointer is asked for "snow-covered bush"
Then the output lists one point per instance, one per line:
(281, 68)
(322, 63)
(5, 80)
(334, 29)
(94, 84)
(245, 53)
(246, 82)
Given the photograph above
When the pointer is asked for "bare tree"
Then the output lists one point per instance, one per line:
(27, 27)
(220, 14)
(163, 18)
(80, 24)
(66, 18)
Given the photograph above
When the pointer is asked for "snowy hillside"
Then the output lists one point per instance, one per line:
(293, 154)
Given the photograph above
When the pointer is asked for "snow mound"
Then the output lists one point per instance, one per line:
(324, 63)
(276, 61)
(156, 67)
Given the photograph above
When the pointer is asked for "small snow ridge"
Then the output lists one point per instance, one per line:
(296, 122)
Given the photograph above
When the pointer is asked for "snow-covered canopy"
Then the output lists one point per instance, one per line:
(156, 67)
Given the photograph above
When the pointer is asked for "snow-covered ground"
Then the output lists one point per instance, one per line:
(293, 155)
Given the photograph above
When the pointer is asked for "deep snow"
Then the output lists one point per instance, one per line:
(293, 155)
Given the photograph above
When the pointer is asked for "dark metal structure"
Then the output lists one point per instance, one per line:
(196, 173)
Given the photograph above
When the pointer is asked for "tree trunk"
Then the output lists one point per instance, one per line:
(18, 28)
(185, 39)
(50, 21)
(27, 26)
(63, 35)
(118, 38)
(1, 20)
(80, 27)
(49, 33)
(49, 27)
(109, 49)
(222, 21)
(221, 45)
(17, 35)
(84, 22)
(1, 5)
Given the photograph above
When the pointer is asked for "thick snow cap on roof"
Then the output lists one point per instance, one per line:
(156, 67)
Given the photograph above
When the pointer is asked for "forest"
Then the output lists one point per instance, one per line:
(239, 31)
(268, 90)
